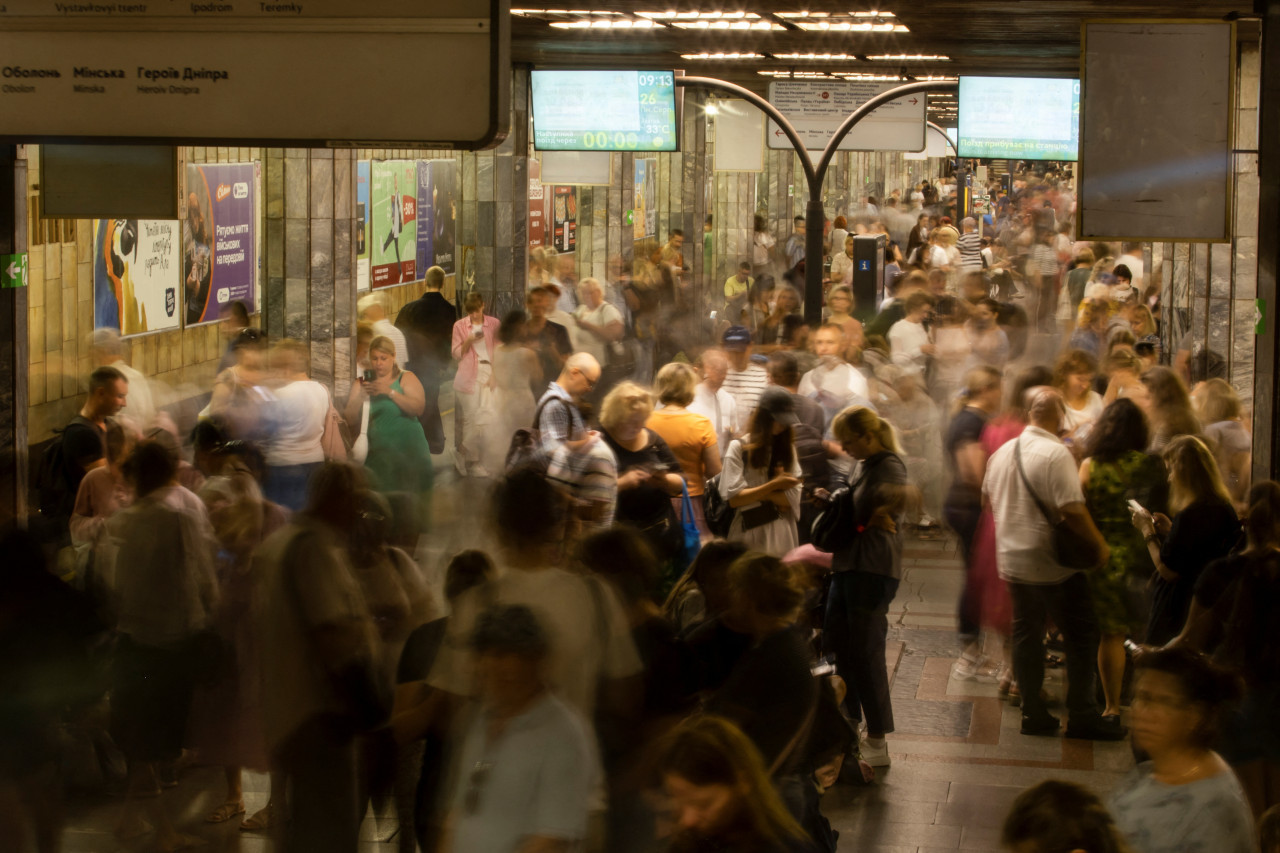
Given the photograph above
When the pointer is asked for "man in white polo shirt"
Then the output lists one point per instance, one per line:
(1038, 585)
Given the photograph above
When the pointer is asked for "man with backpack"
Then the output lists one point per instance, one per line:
(559, 418)
(78, 449)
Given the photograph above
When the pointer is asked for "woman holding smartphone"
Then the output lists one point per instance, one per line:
(761, 477)
(399, 458)
(648, 472)
(475, 338)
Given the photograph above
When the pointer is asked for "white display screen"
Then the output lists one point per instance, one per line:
(604, 111)
(1019, 118)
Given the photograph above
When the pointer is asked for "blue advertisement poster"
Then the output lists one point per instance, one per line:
(437, 215)
(220, 249)
(362, 225)
(426, 218)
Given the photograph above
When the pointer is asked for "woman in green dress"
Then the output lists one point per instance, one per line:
(1116, 471)
(399, 458)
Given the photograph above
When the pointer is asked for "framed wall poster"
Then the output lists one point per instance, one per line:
(220, 240)
(564, 218)
(362, 225)
(393, 222)
(437, 215)
(137, 266)
(537, 206)
(646, 201)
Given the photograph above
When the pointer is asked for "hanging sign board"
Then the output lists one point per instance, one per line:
(304, 73)
(817, 108)
(739, 137)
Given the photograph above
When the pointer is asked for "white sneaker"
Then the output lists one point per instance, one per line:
(876, 756)
(459, 461)
(478, 470)
(967, 669)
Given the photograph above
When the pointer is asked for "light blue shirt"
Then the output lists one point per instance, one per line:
(1208, 816)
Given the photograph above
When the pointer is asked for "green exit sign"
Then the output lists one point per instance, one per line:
(13, 270)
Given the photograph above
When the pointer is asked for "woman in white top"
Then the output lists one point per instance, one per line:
(475, 337)
(1073, 376)
(761, 478)
(842, 264)
(517, 368)
(294, 448)
(762, 243)
(597, 324)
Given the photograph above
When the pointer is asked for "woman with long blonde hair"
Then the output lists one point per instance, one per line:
(1204, 527)
(866, 573)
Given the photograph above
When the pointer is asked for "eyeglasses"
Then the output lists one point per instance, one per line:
(475, 785)
(1156, 702)
(591, 383)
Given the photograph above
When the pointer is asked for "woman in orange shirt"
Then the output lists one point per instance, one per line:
(691, 437)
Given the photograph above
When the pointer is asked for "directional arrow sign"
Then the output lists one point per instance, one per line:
(13, 270)
(816, 108)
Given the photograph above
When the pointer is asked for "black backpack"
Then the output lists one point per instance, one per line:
(525, 452)
(54, 497)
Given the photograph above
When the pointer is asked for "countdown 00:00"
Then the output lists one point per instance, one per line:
(600, 139)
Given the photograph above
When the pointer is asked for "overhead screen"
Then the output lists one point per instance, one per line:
(604, 111)
(1019, 118)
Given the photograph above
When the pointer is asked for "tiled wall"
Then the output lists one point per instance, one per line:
(308, 287)
(60, 316)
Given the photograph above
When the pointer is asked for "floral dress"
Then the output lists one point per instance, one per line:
(1117, 585)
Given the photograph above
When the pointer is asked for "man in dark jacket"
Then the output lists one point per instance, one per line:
(427, 323)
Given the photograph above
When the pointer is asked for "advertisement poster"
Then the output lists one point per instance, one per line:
(393, 222)
(437, 215)
(537, 206)
(362, 225)
(564, 218)
(136, 273)
(646, 207)
(219, 240)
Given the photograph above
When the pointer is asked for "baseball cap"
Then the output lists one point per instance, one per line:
(778, 403)
(736, 338)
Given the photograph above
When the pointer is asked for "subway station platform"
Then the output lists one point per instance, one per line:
(958, 759)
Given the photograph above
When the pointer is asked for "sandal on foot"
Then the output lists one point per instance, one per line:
(225, 812)
(259, 821)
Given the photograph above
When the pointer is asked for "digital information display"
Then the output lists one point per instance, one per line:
(604, 110)
(1019, 118)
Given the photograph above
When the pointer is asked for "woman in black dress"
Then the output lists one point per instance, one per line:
(1204, 527)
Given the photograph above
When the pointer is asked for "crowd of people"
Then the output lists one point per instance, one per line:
(671, 631)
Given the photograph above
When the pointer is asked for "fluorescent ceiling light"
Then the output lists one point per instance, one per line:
(817, 56)
(703, 56)
(909, 57)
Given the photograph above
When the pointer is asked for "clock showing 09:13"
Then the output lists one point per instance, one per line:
(604, 110)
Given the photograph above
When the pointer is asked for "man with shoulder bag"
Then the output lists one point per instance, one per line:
(1045, 541)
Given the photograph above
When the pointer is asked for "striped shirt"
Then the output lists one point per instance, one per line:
(970, 246)
(746, 386)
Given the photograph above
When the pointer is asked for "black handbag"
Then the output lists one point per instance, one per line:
(715, 509)
(833, 529)
(1070, 550)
